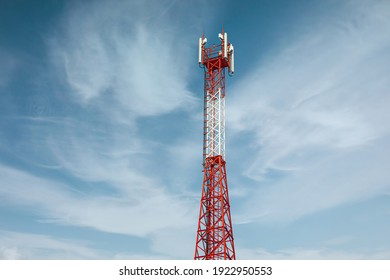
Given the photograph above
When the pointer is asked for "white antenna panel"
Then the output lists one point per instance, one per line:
(231, 65)
(200, 51)
(225, 43)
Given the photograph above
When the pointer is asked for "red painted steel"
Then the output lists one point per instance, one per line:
(214, 240)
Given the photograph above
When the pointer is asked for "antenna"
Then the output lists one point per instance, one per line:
(202, 42)
(231, 59)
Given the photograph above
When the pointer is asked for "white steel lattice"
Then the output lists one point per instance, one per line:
(214, 124)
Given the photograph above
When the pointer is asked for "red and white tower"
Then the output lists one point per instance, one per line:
(214, 239)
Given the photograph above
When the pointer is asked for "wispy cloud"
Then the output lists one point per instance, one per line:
(17, 245)
(315, 112)
(116, 52)
(115, 63)
(9, 64)
(141, 210)
(115, 148)
(311, 254)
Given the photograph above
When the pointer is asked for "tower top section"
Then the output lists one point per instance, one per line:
(216, 56)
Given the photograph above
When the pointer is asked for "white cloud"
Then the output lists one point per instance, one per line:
(111, 60)
(117, 67)
(316, 113)
(30, 246)
(179, 244)
(142, 210)
(9, 253)
(16, 245)
(113, 51)
(311, 254)
(327, 181)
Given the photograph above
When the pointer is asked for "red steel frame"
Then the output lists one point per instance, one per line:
(214, 240)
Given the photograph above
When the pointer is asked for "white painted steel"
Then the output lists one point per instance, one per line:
(200, 51)
(231, 66)
(225, 45)
(215, 124)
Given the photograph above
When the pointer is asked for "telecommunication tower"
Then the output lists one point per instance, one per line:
(214, 239)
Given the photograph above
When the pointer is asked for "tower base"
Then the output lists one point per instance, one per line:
(214, 240)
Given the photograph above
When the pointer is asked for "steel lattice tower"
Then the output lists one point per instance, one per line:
(214, 239)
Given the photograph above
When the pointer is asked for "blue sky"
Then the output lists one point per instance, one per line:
(101, 128)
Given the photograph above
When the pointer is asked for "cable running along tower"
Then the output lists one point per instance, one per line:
(214, 238)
